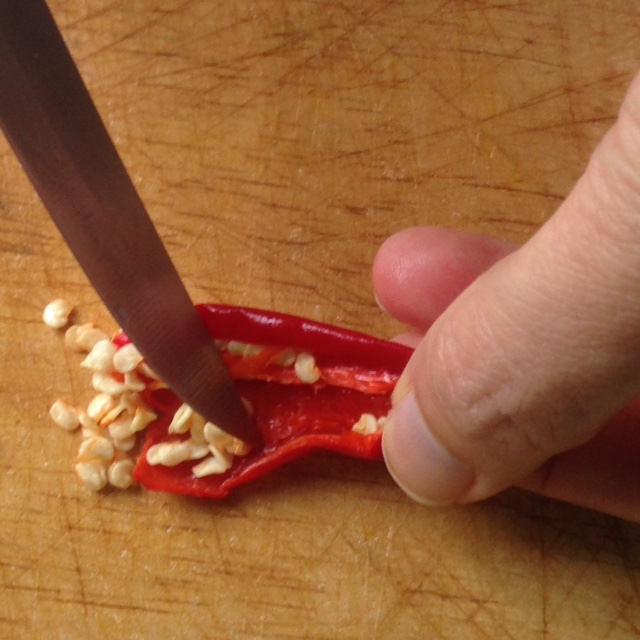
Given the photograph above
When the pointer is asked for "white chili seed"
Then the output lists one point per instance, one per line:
(239, 448)
(70, 336)
(366, 425)
(56, 313)
(121, 428)
(236, 348)
(106, 383)
(197, 450)
(85, 337)
(142, 418)
(132, 401)
(89, 427)
(169, 454)
(212, 433)
(286, 358)
(196, 430)
(180, 422)
(305, 368)
(100, 406)
(96, 448)
(120, 474)
(223, 457)
(64, 415)
(113, 414)
(100, 358)
(224, 442)
(125, 444)
(133, 383)
(252, 350)
(92, 474)
(126, 358)
(209, 466)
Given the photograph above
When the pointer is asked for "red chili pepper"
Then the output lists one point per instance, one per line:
(357, 376)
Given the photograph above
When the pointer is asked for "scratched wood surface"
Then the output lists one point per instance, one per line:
(276, 145)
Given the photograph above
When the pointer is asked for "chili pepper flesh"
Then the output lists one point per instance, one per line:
(356, 375)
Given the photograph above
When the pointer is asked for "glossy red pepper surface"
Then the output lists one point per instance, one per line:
(358, 374)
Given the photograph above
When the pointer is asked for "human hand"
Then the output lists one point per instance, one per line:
(527, 363)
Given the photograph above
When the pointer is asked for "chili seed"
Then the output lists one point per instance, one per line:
(286, 358)
(142, 418)
(236, 348)
(100, 406)
(64, 415)
(121, 428)
(83, 337)
(133, 383)
(124, 444)
(305, 368)
(196, 430)
(127, 358)
(212, 433)
(96, 448)
(106, 383)
(181, 419)
(92, 474)
(224, 442)
(89, 427)
(113, 414)
(366, 425)
(120, 474)
(100, 358)
(252, 350)
(210, 466)
(169, 454)
(56, 313)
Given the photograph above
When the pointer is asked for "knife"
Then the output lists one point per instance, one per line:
(56, 132)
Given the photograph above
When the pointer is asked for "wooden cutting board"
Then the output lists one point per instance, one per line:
(276, 145)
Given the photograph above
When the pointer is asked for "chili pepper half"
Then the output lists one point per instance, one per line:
(307, 385)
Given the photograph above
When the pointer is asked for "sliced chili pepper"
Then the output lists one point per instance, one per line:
(357, 374)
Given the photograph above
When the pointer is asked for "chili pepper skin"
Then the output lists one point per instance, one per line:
(357, 375)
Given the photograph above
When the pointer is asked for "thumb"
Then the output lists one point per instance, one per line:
(534, 356)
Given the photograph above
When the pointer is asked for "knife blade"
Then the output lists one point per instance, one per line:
(54, 128)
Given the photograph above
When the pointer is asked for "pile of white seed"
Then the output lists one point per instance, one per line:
(116, 415)
(111, 422)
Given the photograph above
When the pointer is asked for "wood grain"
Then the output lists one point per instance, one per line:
(276, 145)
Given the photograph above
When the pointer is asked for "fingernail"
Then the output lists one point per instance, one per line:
(420, 465)
(401, 390)
(380, 305)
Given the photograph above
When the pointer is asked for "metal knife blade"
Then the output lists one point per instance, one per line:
(55, 130)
